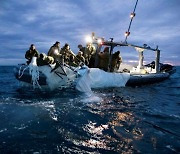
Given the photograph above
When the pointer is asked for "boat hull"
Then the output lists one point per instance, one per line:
(26, 77)
(60, 77)
(133, 80)
(139, 80)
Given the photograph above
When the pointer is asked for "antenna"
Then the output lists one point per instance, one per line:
(132, 15)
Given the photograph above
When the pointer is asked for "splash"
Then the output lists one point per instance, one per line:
(89, 98)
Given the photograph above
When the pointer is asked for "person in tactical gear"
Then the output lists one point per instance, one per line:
(66, 53)
(79, 58)
(54, 51)
(85, 55)
(32, 52)
(44, 60)
(115, 60)
(104, 59)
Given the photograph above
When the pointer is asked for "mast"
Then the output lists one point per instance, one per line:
(127, 33)
(157, 59)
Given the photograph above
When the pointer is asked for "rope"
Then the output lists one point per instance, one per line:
(21, 74)
(34, 72)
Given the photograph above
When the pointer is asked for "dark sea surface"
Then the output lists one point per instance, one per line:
(116, 120)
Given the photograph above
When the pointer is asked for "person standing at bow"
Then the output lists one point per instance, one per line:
(32, 52)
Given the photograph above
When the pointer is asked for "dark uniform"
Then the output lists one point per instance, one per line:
(119, 61)
(90, 55)
(84, 54)
(72, 62)
(54, 52)
(66, 53)
(114, 61)
(44, 60)
(32, 52)
(89, 52)
(104, 61)
(80, 59)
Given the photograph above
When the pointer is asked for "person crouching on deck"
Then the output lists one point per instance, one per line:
(84, 54)
(79, 58)
(32, 52)
(45, 60)
(66, 53)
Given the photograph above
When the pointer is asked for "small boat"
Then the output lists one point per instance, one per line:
(84, 78)
(65, 76)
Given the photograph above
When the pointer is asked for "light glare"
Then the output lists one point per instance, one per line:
(88, 39)
(99, 41)
(56, 52)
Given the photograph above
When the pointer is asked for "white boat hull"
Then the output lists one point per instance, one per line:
(95, 78)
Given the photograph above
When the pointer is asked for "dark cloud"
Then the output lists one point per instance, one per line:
(44, 22)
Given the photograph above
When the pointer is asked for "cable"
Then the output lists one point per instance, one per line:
(132, 16)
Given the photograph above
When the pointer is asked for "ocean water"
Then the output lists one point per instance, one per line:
(114, 120)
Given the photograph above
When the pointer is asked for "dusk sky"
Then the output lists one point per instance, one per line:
(42, 22)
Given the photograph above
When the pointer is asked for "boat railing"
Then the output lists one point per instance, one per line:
(99, 42)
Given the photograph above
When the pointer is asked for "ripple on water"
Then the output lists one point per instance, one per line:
(113, 120)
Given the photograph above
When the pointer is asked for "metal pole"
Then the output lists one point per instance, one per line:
(157, 60)
(141, 58)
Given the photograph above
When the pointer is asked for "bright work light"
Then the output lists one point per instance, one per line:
(88, 39)
(99, 41)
